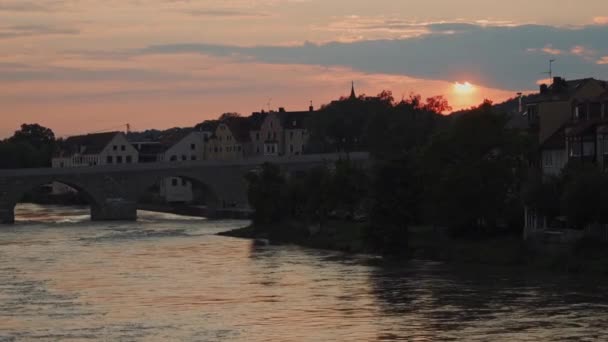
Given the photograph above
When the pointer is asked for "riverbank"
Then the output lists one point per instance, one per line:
(584, 257)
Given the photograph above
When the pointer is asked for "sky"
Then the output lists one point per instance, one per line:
(83, 66)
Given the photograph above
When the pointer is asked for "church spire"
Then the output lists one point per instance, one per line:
(353, 96)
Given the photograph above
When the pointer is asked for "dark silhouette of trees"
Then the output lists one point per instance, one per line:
(227, 116)
(31, 146)
(472, 170)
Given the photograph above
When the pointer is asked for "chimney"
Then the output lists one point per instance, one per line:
(311, 108)
(281, 110)
(544, 88)
(520, 108)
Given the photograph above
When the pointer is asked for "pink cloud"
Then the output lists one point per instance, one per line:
(198, 88)
(603, 60)
(600, 20)
(550, 50)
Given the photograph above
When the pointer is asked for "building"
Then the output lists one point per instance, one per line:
(91, 150)
(551, 115)
(587, 132)
(231, 139)
(180, 146)
(95, 149)
(279, 133)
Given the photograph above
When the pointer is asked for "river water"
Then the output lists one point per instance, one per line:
(169, 278)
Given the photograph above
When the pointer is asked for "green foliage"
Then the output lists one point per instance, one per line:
(267, 194)
(472, 170)
(38, 136)
(585, 195)
(378, 124)
(31, 146)
(395, 204)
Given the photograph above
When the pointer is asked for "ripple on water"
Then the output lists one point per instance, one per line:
(166, 278)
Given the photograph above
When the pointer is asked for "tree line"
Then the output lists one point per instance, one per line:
(465, 172)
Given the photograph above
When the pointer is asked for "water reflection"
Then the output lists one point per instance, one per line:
(170, 278)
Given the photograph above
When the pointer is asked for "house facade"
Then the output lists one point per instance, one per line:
(96, 149)
(553, 116)
(279, 133)
(180, 147)
(91, 150)
(231, 140)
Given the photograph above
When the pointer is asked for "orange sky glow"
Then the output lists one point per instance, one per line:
(87, 66)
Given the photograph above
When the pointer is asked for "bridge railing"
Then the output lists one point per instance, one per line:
(139, 167)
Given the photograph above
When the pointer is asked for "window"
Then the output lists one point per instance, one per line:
(118, 159)
(257, 150)
(62, 164)
(109, 159)
(257, 136)
(193, 147)
(184, 182)
(184, 158)
(575, 148)
(129, 159)
(588, 148)
(215, 149)
(595, 110)
(174, 181)
(123, 147)
(192, 157)
(240, 148)
(173, 158)
(115, 148)
(548, 158)
(274, 135)
(269, 136)
(291, 135)
(291, 148)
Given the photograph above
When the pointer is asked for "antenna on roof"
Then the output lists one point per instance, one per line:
(550, 72)
(268, 104)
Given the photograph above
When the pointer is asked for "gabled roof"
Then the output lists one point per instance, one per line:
(294, 120)
(207, 126)
(557, 141)
(563, 90)
(582, 128)
(87, 144)
(239, 127)
(173, 137)
(256, 120)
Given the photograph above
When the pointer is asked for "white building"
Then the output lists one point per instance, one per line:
(180, 147)
(93, 150)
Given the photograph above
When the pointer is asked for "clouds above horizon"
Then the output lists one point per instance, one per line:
(509, 57)
(74, 63)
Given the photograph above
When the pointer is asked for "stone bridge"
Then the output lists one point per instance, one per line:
(113, 191)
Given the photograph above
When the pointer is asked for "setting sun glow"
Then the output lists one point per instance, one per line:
(465, 88)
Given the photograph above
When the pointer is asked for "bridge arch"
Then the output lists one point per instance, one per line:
(17, 194)
(197, 184)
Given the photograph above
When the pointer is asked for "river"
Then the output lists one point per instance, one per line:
(170, 278)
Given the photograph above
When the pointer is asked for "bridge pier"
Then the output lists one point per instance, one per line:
(7, 215)
(114, 210)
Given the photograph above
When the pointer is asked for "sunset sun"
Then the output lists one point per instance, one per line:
(464, 88)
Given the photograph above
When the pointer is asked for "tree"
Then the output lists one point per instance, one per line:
(395, 193)
(228, 116)
(267, 194)
(437, 104)
(472, 170)
(34, 134)
(584, 196)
